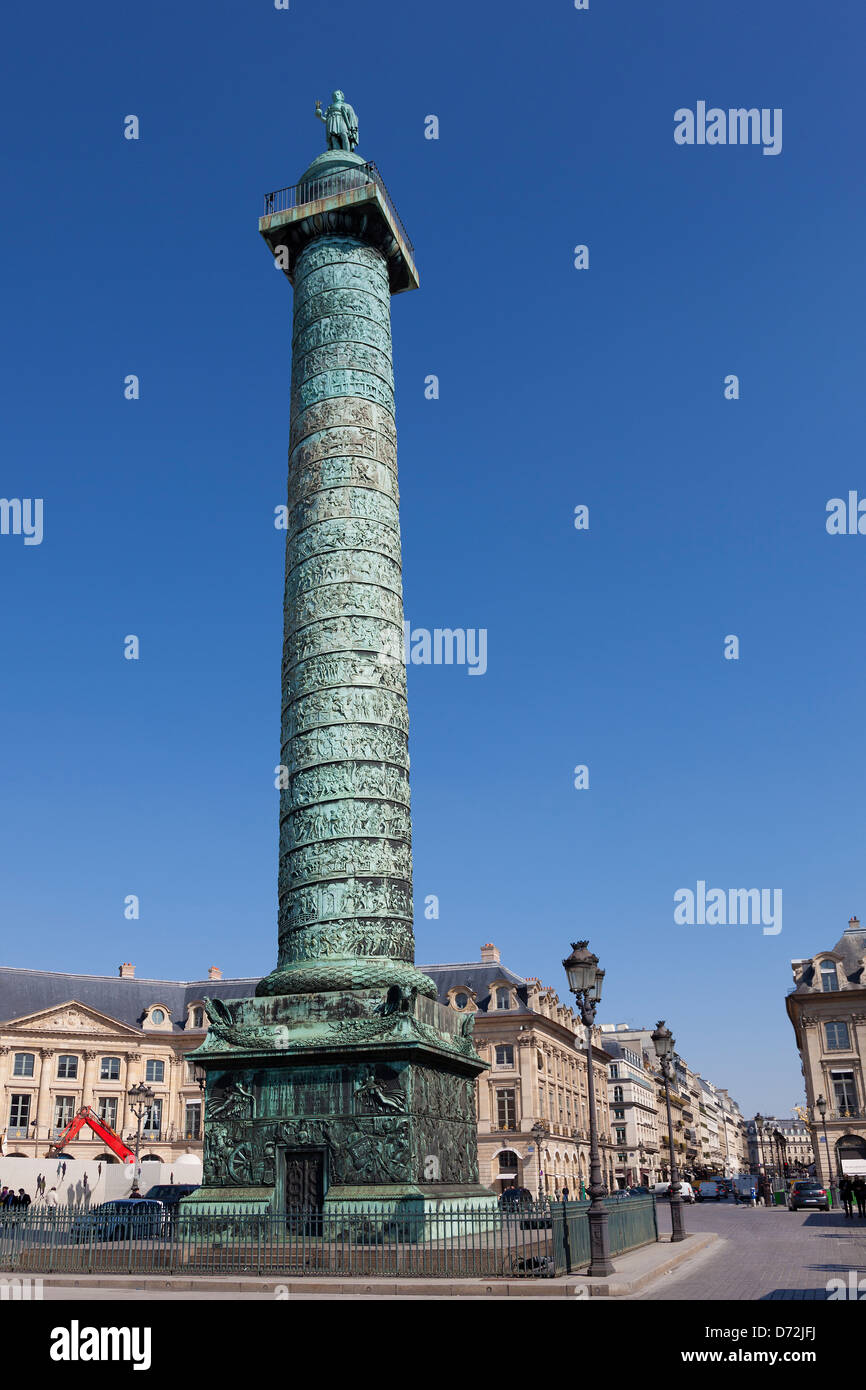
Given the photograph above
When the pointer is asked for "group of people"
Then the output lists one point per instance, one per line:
(9, 1198)
(853, 1190)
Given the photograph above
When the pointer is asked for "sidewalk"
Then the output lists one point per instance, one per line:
(634, 1272)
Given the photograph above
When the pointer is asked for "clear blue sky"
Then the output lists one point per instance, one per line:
(558, 387)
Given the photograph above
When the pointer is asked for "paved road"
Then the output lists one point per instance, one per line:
(767, 1252)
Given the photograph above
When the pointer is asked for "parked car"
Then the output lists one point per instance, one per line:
(711, 1191)
(120, 1219)
(640, 1191)
(169, 1196)
(807, 1192)
(663, 1189)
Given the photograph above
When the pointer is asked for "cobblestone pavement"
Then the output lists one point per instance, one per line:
(765, 1253)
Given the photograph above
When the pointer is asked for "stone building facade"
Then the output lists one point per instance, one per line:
(67, 1041)
(535, 1047)
(631, 1093)
(794, 1148)
(827, 1009)
(709, 1131)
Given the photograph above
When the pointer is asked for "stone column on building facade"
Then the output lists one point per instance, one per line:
(129, 1120)
(4, 1092)
(44, 1118)
(173, 1121)
(89, 1080)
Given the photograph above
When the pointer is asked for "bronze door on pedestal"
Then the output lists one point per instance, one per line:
(304, 1179)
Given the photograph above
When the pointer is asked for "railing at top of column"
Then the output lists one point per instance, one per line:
(331, 185)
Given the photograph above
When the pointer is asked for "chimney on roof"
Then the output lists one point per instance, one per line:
(853, 923)
(126, 971)
(489, 953)
(214, 973)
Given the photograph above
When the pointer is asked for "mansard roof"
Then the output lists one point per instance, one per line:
(26, 992)
(851, 946)
(480, 976)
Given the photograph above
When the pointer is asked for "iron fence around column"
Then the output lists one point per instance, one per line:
(340, 1241)
(533, 1241)
(632, 1222)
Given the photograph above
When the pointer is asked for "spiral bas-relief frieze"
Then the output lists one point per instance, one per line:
(342, 567)
(342, 471)
(322, 747)
(334, 601)
(339, 705)
(347, 535)
(345, 887)
(335, 820)
(320, 675)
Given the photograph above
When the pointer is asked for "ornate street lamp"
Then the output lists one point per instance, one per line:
(780, 1142)
(762, 1167)
(585, 981)
(663, 1042)
(141, 1100)
(540, 1135)
(821, 1106)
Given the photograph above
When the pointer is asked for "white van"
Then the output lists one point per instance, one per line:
(663, 1189)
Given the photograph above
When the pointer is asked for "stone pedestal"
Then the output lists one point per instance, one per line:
(323, 1099)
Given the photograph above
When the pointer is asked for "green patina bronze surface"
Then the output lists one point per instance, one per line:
(343, 1079)
(345, 878)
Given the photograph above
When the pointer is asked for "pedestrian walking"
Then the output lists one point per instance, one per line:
(859, 1186)
(23, 1199)
(51, 1197)
(846, 1192)
(63, 1171)
(565, 1193)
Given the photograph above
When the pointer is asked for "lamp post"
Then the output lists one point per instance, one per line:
(663, 1042)
(585, 981)
(762, 1167)
(780, 1155)
(643, 1162)
(141, 1100)
(821, 1105)
(539, 1134)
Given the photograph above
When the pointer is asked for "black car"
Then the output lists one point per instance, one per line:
(170, 1193)
(808, 1193)
(121, 1219)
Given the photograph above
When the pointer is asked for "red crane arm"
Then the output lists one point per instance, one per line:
(71, 1131)
(88, 1116)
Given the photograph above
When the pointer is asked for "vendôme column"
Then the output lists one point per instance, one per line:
(345, 882)
(343, 1083)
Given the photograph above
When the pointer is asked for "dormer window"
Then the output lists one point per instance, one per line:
(195, 1016)
(158, 1016)
(504, 999)
(461, 997)
(829, 976)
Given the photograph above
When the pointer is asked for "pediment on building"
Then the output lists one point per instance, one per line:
(71, 1019)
